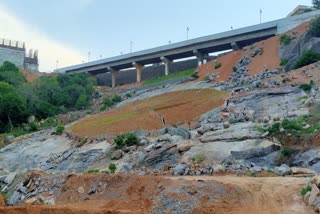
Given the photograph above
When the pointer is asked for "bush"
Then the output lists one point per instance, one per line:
(112, 167)
(307, 87)
(128, 95)
(199, 158)
(315, 27)
(59, 129)
(305, 190)
(274, 129)
(285, 39)
(125, 140)
(195, 75)
(307, 58)
(116, 99)
(93, 171)
(33, 127)
(234, 69)
(217, 65)
(286, 151)
(284, 61)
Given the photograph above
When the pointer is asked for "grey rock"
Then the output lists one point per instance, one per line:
(255, 152)
(116, 155)
(9, 139)
(125, 168)
(92, 190)
(9, 178)
(283, 170)
(180, 169)
(175, 131)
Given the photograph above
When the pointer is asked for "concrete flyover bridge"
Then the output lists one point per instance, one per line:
(199, 47)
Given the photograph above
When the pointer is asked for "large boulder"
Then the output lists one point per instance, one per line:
(283, 170)
(180, 169)
(175, 131)
(116, 155)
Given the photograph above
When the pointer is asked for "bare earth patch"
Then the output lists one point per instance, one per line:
(179, 107)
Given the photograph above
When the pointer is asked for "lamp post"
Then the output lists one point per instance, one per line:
(131, 44)
(188, 29)
(260, 15)
(89, 53)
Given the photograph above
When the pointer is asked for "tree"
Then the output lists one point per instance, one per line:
(316, 3)
(9, 73)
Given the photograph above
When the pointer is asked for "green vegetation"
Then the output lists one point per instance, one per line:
(316, 4)
(285, 151)
(195, 75)
(93, 171)
(274, 129)
(307, 87)
(116, 99)
(307, 58)
(128, 95)
(234, 69)
(59, 129)
(285, 39)
(44, 97)
(305, 190)
(315, 27)
(170, 76)
(217, 65)
(112, 167)
(125, 140)
(284, 61)
(199, 158)
(5, 196)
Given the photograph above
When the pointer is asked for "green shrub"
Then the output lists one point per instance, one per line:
(284, 61)
(128, 95)
(195, 75)
(93, 171)
(112, 167)
(116, 99)
(274, 129)
(234, 68)
(315, 27)
(307, 87)
(59, 129)
(125, 140)
(285, 39)
(199, 158)
(285, 151)
(307, 58)
(107, 102)
(305, 190)
(33, 127)
(217, 65)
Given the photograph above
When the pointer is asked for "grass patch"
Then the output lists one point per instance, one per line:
(285, 151)
(112, 167)
(305, 190)
(168, 77)
(93, 171)
(307, 87)
(285, 39)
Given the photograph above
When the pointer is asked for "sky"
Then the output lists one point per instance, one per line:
(65, 31)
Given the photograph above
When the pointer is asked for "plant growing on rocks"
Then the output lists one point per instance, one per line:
(199, 158)
(125, 140)
(315, 27)
(307, 58)
(285, 39)
(284, 61)
(112, 167)
(59, 129)
(305, 190)
(116, 99)
(285, 151)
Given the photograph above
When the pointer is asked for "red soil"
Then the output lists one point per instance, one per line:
(29, 75)
(179, 107)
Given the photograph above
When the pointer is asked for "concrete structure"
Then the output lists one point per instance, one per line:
(300, 9)
(199, 47)
(15, 52)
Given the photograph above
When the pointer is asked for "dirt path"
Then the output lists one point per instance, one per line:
(267, 195)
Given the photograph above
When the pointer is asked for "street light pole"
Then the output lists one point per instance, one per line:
(89, 53)
(260, 15)
(131, 44)
(188, 33)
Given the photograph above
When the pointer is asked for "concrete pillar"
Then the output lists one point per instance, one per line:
(139, 69)
(167, 63)
(114, 73)
(235, 46)
(202, 57)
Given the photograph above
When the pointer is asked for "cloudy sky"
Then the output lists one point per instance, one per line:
(66, 30)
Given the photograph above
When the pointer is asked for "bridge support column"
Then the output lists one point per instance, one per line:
(167, 63)
(114, 73)
(202, 57)
(139, 69)
(235, 46)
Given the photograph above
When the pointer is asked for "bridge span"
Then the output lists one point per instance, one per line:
(199, 47)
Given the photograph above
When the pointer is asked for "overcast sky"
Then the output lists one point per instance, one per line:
(66, 30)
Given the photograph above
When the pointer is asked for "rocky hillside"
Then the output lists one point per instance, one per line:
(194, 146)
